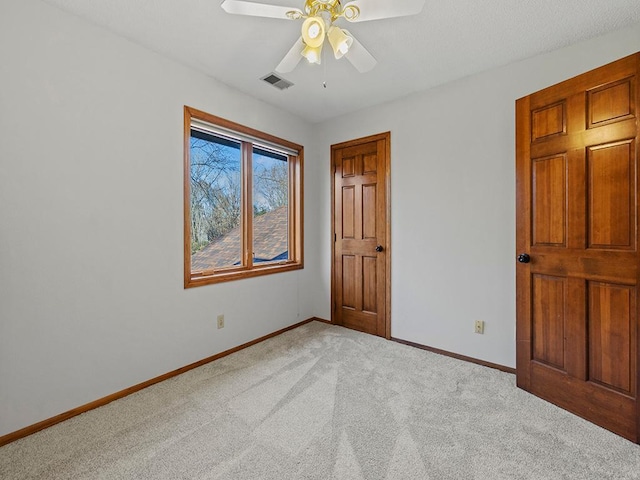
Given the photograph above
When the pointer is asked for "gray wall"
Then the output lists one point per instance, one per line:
(91, 287)
(453, 197)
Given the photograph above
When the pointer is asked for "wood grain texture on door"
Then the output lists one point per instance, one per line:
(361, 247)
(577, 220)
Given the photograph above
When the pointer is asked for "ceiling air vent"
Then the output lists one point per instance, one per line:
(277, 81)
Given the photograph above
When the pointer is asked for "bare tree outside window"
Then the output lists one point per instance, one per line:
(271, 182)
(215, 190)
(270, 202)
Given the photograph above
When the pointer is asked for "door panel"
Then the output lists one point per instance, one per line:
(612, 195)
(360, 270)
(369, 284)
(369, 207)
(348, 212)
(370, 163)
(549, 298)
(611, 102)
(612, 336)
(349, 281)
(547, 121)
(577, 219)
(549, 200)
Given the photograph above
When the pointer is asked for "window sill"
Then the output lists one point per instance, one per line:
(199, 280)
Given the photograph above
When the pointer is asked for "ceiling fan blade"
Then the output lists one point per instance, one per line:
(360, 56)
(239, 7)
(378, 9)
(292, 58)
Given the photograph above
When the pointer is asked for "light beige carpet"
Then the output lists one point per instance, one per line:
(323, 402)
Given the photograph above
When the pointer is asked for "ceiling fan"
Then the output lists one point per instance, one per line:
(319, 17)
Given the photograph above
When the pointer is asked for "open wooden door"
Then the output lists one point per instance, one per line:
(577, 240)
(360, 268)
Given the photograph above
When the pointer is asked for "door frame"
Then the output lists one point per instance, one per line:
(386, 136)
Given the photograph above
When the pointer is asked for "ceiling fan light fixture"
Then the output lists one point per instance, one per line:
(319, 17)
(313, 54)
(313, 31)
(340, 41)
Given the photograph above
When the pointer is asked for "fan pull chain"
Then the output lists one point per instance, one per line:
(324, 67)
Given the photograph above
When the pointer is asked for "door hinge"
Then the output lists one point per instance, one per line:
(335, 237)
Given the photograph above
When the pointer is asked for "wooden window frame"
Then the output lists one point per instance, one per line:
(295, 211)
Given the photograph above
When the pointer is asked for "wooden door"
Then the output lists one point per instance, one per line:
(577, 221)
(360, 267)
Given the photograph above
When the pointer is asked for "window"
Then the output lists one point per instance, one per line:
(242, 201)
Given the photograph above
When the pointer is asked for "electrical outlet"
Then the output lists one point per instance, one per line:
(221, 320)
(479, 326)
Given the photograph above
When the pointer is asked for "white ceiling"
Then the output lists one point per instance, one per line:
(449, 40)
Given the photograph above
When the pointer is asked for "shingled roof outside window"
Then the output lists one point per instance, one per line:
(270, 240)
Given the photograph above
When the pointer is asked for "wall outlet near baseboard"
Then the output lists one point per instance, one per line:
(221, 320)
(479, 326)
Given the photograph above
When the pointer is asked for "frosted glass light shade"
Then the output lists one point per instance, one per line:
(313, 31)
(312, 54)
(340, 41)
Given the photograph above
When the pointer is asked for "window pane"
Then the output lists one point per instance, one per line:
(270, 206)
(239, 178)
(216, 193)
